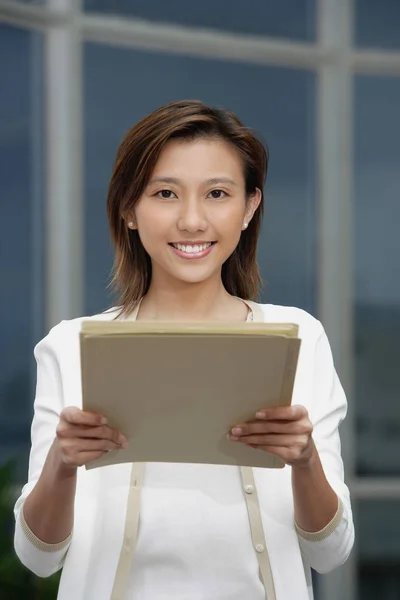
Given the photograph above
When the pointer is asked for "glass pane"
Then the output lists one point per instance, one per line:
(378, 530)
(287, 18)
(377, 271)
(121, 86)
(21, 314)
(377, 24)
(29, 1)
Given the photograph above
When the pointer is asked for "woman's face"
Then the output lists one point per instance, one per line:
(191, 215)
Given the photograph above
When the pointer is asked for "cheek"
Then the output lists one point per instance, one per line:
(230, 221)
(152, 223)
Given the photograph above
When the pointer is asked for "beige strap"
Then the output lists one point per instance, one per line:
(130, 532)
(131, 520)
(258, 315)
(257, 531)
(252, 503)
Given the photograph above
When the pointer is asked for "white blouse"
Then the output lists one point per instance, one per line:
(179, 531)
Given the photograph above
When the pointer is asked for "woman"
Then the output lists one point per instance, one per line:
(185, 204)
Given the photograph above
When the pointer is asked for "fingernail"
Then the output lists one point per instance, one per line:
(232, 438)
(260, 415)
(103, 420)
(124, 445)
(237, 431)
(122, 439)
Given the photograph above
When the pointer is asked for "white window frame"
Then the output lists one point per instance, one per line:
(332, 57)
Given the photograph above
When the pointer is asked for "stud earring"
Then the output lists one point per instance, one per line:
(130, 224)
(245, 225)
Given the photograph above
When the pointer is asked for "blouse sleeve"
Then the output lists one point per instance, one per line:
(41, 558)
(327, 549)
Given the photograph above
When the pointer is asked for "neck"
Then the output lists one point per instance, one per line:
(204, 301)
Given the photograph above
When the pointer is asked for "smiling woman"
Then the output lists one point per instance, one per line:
(198, 181)
(184, 204)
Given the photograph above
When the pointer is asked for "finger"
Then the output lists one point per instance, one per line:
(78, 452)
(285, 413)
(98, 445)
(103, 432)
(72, 448)
(290, 456)
(277, 440)
(76, 416)
(265, 427)
(85, 458)
(278, 451)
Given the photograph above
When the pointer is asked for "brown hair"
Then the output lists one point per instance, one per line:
(135, 161)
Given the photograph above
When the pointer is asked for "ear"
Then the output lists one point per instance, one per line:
(253, 202)
(130, 221)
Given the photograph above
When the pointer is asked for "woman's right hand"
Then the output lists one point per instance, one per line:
(84, 436)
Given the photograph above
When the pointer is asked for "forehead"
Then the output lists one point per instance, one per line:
(200, 158)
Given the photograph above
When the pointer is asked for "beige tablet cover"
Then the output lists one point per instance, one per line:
(175, 390)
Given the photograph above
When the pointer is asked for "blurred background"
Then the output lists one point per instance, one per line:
(320, 81)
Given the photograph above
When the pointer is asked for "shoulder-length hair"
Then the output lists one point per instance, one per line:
(136, 158)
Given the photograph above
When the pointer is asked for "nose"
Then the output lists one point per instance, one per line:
(192, 216)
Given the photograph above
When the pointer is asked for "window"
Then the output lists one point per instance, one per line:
(21, 239)
(377, 273)
(379, 543)
(287, 18)
(377, 24)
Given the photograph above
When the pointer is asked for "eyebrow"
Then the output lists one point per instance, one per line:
(176, 181)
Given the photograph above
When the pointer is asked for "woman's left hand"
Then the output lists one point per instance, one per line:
(285, 431)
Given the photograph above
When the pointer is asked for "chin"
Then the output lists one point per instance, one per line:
(192, 277)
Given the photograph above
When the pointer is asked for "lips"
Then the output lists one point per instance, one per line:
(193, 250)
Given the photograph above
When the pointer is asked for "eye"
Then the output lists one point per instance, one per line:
(217, 194)
(166, 194)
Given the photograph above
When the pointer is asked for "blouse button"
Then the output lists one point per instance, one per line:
(249, 489)
(260, 548)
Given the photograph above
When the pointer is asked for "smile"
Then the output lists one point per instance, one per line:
(194, 250)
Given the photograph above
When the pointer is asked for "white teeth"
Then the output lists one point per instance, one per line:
(192, 249)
